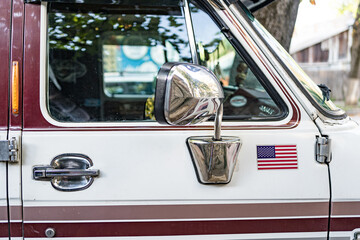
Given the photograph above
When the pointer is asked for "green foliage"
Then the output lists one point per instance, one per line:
(346, 6)
(80, 32)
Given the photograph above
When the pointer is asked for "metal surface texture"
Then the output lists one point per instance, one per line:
(50, 232)
(8, 150)
(67, 172)
(190, 30)
(191, 93)
(217, 123)
(323, 150)
(214, 160)
(4, 150)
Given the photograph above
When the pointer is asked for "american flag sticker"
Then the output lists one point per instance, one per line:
(277, 157)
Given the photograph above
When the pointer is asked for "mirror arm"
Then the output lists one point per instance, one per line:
(218, 121)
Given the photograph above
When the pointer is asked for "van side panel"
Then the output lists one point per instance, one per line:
(5, 21)
(15, 121)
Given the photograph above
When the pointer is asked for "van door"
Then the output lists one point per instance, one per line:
(96, 164)
(5, 13)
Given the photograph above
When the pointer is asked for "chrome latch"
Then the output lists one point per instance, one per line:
(9, 150)
(323, 150)
(67, 172)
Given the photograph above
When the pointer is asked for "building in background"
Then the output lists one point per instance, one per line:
(322, 49)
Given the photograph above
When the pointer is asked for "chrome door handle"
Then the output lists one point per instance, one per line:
(67, 172)
(40, 173)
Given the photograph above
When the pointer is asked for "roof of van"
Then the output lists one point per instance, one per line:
(252, 5)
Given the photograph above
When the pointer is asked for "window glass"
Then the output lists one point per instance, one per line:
(103, 59)
(245, 97)
(315, 92)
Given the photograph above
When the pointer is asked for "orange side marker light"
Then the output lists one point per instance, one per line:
(15, 87)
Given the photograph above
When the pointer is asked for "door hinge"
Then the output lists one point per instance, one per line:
(323, 150)
(9, 150)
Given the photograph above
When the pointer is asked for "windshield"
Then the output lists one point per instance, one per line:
(318, 95)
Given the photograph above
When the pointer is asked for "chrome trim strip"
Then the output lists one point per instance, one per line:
(190, 31)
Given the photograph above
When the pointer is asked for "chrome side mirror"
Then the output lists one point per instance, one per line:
(187, 94)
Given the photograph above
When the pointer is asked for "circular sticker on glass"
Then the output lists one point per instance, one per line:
(238, 101)
(135, 52)
(157, 55)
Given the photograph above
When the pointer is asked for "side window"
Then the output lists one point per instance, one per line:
(103, 59)
(246, 98)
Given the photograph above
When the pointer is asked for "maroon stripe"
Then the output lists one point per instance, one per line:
(274, 168)
(288, 146)
(346, 208)
(3, 213)
(15, 213)
(191, 211)
(286, 156)
(4, 232)
(113, 229)
(284, 160)
(344, 224)
(16, 229)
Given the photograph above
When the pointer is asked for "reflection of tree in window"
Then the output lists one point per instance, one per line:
(80, 31)
(245, 97)
(93, 36)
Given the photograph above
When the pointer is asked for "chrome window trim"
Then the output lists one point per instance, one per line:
(190, 31)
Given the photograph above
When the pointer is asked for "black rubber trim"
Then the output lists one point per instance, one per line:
(160, 90)
(253, 67)
(254, 6)
(164, 3)
(337, 115)
(32, 1)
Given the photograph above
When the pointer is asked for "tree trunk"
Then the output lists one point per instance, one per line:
(352, 85)
(279, 19)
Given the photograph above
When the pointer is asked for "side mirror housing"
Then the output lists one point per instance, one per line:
(186, 94)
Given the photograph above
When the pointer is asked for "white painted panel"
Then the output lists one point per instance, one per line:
(157, 166)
